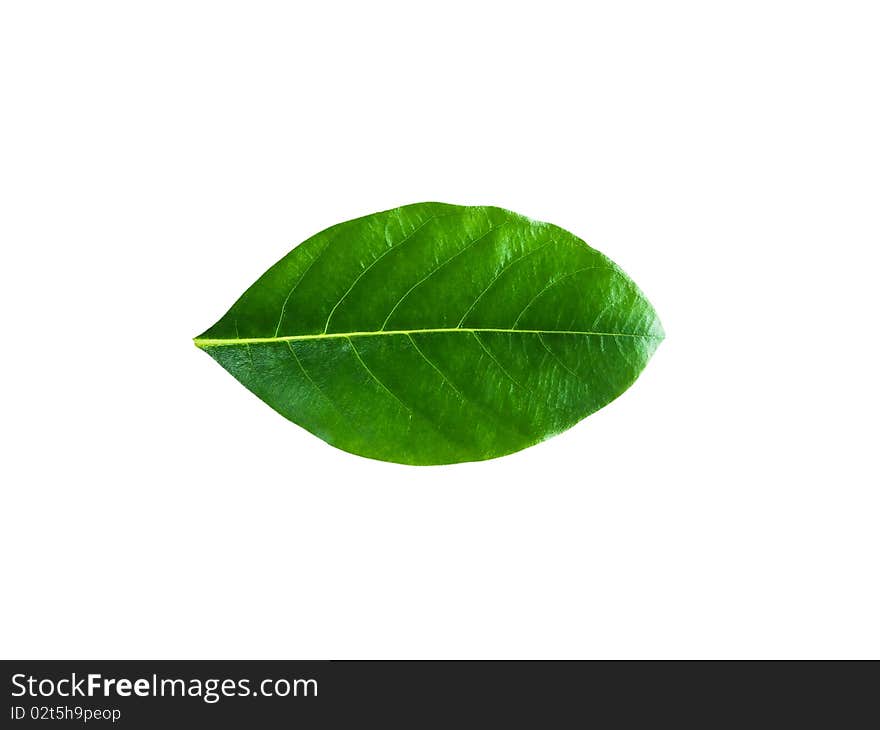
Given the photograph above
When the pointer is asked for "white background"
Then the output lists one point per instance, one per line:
(157, 157)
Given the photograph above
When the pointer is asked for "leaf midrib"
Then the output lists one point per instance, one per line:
(204, 342)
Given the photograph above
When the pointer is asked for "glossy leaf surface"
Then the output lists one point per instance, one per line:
(436, 333)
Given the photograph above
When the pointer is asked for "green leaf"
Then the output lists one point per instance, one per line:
(434, 333)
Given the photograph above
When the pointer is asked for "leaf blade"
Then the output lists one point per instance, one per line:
(376, 358)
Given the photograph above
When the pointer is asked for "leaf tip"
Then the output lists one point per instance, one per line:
(661, 332)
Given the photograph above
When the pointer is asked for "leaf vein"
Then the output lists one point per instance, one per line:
(498, 362)
(214, 342)
(559, 360)
(373, 376)
(312, 380)
(464, 399)
(377, 260)
(437, 268)
(550, 285)
(298, 282)
(498, 276)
